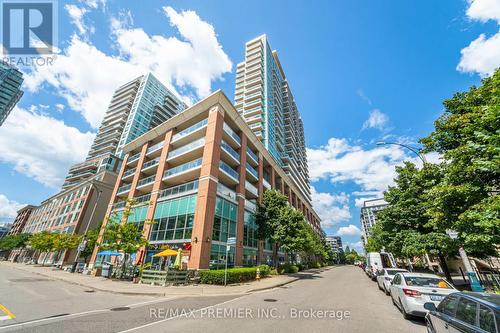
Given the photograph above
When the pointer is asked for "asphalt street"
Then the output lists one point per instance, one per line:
(341, 299)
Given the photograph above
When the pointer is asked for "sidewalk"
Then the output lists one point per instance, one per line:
(129, 288)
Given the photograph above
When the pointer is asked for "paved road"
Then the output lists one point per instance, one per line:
(346, 299)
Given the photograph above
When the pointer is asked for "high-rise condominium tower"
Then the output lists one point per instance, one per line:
(135, 108)
(368, 216)
(10, 89)
(264, 98)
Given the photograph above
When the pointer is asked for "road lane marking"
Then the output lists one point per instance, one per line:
(4, 318)
(152, 301)
(170, 318)
(7, 312)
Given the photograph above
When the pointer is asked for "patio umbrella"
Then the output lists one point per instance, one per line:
(166, 253)
(177, 262)
(109, 253)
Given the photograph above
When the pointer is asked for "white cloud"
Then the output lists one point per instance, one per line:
(41, 147)
(76, 15)
(193, 62)
(376, 119)
(358, 246)
(371, 169)
(350, 230)
(483, 54)
(8, 208)
(332, 209)
(484, 10)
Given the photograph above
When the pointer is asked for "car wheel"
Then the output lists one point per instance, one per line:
(403, 311)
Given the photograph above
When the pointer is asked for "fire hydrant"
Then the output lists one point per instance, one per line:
(257, 276)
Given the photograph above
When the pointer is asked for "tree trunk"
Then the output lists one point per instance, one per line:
(444, 266)
(275, 255)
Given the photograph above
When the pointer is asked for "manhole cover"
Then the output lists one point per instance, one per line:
(121, 308)
(29, 280)
(270, 300)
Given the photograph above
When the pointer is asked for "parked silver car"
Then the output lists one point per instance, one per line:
(384, 278)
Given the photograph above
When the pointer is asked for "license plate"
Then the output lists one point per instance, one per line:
(436, 298)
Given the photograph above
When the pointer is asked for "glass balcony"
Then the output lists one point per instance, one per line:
(226, 191)
(155, 147)
(252, 155)
(124, 188)
(266, 184)
(230, 150)
(179, 189)
(142, 199)
(119, 205)
(251, 188)
(134, 157)
(129, 173)
(232, 133)
(230, 171)
(145, 181)
(251, 170)
(190, 129)
(151, 163)
(190, 146)
(183, 167)
(250, 206)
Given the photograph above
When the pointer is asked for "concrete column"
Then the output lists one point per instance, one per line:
(137, 174)
(110, 208)
(201, 239)
(155, 193)
(241, 202)
(260, 185)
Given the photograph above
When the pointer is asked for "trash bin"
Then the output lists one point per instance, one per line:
(107, 269)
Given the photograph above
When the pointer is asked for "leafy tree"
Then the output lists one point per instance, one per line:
(63, 242)
(42, 242)
(90, 242)
(12, 242)
(468, 138)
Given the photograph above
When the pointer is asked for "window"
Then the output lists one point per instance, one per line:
(419, 281)
(486, 319)
(466, 311)
(397, 279)
(448, 305)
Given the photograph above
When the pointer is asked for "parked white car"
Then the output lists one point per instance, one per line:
(384, 278)
(410, 291)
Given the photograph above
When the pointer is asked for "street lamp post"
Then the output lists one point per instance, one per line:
(473, 280)
(83, 244)
(422, 157)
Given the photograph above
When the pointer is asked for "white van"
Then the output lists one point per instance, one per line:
(376, 261)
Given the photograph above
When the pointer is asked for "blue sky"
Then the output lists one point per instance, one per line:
(360, 71)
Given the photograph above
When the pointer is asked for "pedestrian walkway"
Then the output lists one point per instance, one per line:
(129, 288)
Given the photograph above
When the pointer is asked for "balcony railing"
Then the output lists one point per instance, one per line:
(179, 189)
(266, 184)
(192, 145)
(252, 171)
(226, 191)
(183, 167)
(145, 181)
(119, 205)
(230, 171)
(252, 155)
(230, 150)
(151, 163)
(251, 188)
(250, 205)
(232, 133)
(190, 129)
(142, 199)
(124, 188)
(134, 157)
(155, 147)
(129, 173)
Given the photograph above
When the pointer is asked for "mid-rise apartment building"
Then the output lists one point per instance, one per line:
(10, 89)
(22, 217)
(335, 243)
(264, 98)
(198, 178)
(4, 229)
(368, 216)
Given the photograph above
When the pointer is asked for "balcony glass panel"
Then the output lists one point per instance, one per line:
(179, 189)
(190, 129)
(151, 163)
(142, 199)
(252, 155)
(155, 147)
(230, 150)
(252, 189)
(232, 133)
(192, 145)
(134, 157)
(146, 180)
(183, 167)
(233, 173)
(124, 188)
(129, 172)
(252, 170)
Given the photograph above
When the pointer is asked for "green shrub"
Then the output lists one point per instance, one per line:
(234, 275)
(288, 268)
(316, 264)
